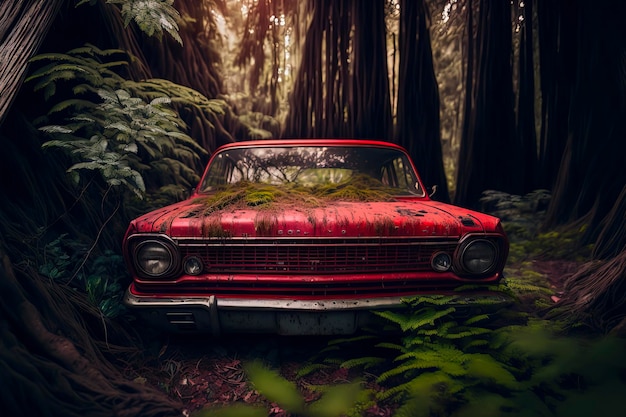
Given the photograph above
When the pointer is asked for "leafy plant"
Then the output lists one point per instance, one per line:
(152, 16)
(103, 283)
(101, 279)
(105, 128)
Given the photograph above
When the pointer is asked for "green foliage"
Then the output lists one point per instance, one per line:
(521, 215)
(102, 278)
(152, 16)
(445, 364)
(105, 128)
(104, 283)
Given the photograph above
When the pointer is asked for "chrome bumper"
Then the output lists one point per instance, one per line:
(287, 317)
(278, 316)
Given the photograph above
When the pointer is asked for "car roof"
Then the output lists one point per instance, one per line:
(311, 142)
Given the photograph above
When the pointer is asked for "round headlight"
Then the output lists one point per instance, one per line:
(193, 265)
(441, 262)
(154, 258)
(479, 256)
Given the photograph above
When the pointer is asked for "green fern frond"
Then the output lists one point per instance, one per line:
(420, 366)
(74, 104)
(394, 317)
(52, 129)
(396, 392)
(485, 367)
(427, 316)
(308, 369)
(521, 286)
(444, 328)
(363, 362)
(476, 319)
(152, 16)
(475, 343)
(414, 341)
(467, 332)
(433, 353)
(334, 361)
(392, 346)
(160, 100)
(435, 299)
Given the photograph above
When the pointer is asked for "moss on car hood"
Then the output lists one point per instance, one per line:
(246, 194)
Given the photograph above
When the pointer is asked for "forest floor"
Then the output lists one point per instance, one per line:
(201, 371)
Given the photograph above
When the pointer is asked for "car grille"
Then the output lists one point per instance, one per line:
(318, 256)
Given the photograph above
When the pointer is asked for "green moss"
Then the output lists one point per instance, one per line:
(259, 198)
(247, 194)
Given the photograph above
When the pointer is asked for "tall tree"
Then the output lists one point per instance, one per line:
(370, 108)
(270, 36)
(417, 126)
(591, 174)
(526, 127)
(342, 78)
(557, 33)
(591, 184)
(318, 103)
(489, 156)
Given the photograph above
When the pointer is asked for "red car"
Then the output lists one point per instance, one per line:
(304, 237)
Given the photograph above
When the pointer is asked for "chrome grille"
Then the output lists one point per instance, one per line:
(319, 256)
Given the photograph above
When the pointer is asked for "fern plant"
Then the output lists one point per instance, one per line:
(440, 358)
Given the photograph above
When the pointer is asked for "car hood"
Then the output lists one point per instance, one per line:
(421, 217)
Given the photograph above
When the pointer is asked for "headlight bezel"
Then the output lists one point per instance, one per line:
(462, 265)
(142, 243)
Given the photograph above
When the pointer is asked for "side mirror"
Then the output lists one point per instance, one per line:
(433, 190)
(188, 193)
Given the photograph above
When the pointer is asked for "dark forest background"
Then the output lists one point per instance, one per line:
(111, 108)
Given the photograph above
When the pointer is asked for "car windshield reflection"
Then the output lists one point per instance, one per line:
(310, 166)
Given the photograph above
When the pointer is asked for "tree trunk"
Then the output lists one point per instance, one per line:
(417, 127)
(318, 104)
(591, 184)
(490, 153)
(592, 175)
(23, 27)
(557, 27)
(370, 102)
(526, 128)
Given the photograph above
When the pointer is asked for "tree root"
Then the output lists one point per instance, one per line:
(50, 363)
(596, 295)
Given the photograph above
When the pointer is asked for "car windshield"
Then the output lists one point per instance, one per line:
(312, 166)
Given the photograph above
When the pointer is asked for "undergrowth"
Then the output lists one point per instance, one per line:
(446, 360)
(502, 363)
(102, 277)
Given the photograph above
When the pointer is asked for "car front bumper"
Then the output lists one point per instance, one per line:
(215, 315)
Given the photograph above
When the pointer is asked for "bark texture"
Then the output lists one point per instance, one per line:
(418, 127)
(23, 27)
(490, 153)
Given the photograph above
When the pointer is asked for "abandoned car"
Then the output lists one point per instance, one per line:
(304, 237)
